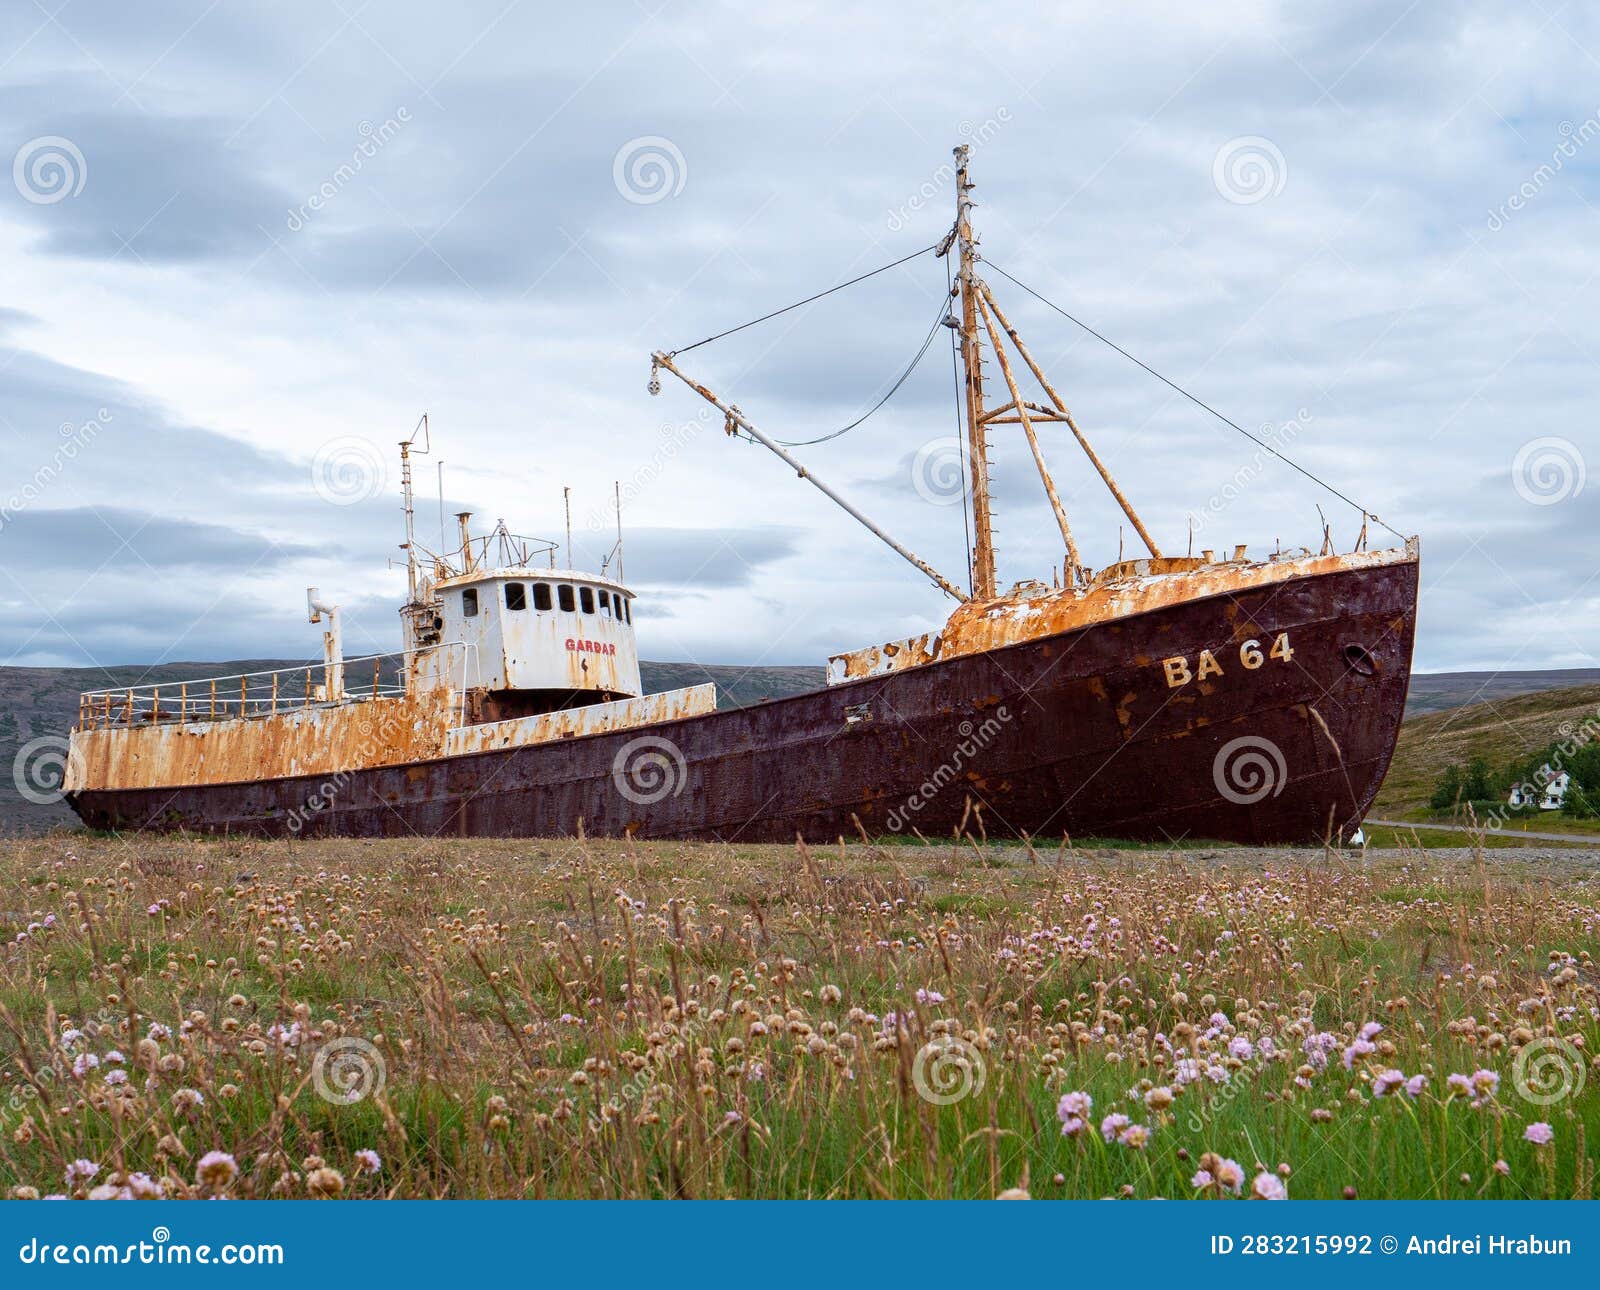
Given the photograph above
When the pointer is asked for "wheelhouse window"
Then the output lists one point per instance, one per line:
(605, 604)
(516, 596)
(565, 598)
(541, 595)
(469, 603)
(586, 597)
(627, 609)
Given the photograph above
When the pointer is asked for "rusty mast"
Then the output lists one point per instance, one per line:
(981, 317)
(983, 587)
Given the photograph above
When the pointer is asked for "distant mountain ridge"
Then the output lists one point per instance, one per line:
(38, 701)
(1440, 690)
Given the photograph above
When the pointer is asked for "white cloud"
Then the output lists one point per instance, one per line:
(481, 265)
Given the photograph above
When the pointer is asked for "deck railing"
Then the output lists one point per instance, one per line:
(266, 693)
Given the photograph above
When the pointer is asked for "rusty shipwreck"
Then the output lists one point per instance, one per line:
(1213, 696)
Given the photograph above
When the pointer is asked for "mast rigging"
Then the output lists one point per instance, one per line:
(978, 306)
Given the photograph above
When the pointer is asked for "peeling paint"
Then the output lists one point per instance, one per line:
(1119, 591)
(386, 731)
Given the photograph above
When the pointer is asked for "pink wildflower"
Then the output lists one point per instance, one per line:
(1076, 1103)
(1387, 1082)
(1112, 1125)
(143, 1187)
(1268, 1187)
(81, 1170)
(1539, 1133)
(216, 1169)
(1135, 1136)
(1073, 1112)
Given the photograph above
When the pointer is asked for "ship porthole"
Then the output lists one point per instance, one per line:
(1359, 658)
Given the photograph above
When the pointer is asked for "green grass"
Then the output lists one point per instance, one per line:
(612, 1020)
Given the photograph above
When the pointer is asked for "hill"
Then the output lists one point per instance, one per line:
(1438, 691)
(1500, 731)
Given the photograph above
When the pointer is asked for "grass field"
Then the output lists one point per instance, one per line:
(548, 1019)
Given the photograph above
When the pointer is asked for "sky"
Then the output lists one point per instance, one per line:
(247, 246)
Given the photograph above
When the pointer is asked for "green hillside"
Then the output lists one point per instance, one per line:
(1499, 731)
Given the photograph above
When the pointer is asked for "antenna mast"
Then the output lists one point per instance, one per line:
(617, 484)
(972, 362)
(412, 614)
(409, 502)
(566, 499)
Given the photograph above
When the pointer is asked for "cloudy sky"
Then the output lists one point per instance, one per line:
(247, 246)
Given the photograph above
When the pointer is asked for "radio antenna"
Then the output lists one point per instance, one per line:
(566, 498)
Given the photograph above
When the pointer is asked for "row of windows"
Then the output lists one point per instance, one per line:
(607, 604)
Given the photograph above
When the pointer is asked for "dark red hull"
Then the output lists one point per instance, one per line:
(1077, 733)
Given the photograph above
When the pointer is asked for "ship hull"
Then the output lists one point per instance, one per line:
(1089, 732)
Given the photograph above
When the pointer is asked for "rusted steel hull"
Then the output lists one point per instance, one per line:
(1082, 732)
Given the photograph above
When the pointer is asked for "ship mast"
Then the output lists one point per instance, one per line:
(983, 587)
(978, 305)
(413, 607)
(978, 308)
